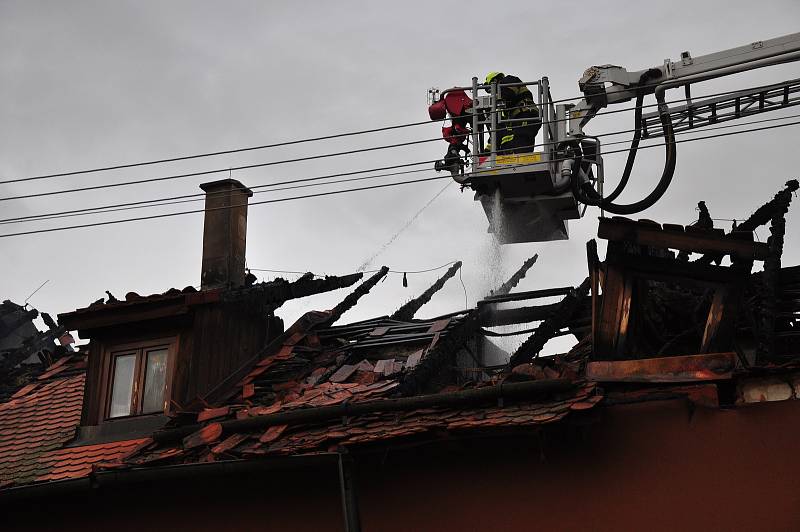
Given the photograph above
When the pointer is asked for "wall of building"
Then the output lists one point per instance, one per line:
(653, 466)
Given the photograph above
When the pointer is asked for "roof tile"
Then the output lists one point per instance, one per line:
(34, 423)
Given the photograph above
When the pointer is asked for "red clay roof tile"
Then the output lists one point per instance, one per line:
(272, 433)
(229, 443)
(213, 413)
(206, 435)
(34, 424)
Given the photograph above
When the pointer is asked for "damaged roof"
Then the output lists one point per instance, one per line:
(652, 324)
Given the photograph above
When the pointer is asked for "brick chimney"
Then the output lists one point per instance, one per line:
(224, 234)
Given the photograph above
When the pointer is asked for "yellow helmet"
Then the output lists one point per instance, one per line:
(492, 75)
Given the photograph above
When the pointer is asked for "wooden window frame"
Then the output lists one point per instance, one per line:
(139, 349)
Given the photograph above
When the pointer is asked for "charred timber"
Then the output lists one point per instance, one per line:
(268, 296)
(772, 269)
(437, 361)
(352, 298)
(765, 213)
(444, 354)
(550, 327)
(492, 317)
(509, 285)
(24, 317)
(407, 311)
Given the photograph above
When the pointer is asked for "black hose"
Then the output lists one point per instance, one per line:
(637, 136)
(587, 194)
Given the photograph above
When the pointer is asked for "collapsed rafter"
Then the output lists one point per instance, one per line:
(549, 328)
(266, 297)
(514, 280)
(407, 311)
(352, 298)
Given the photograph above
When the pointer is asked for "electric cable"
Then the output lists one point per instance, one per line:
(336, 192)
(287, 161)
(219, 170)
(200, 197)
(79, 212)
(96, 210)
(409, 272)
(180, 213)
(249, 148)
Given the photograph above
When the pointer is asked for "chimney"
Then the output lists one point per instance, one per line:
(224, 234)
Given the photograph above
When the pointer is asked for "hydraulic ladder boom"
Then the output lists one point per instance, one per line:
(529, 196)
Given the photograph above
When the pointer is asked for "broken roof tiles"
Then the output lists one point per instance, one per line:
(307, 357)
(286, 438)
(318, 387)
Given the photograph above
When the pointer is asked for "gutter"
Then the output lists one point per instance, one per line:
(189, 472)
(514, 390)
(177, 472)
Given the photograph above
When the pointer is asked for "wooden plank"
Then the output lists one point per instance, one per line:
(706, 367)
(644, 235)
(610, 311)
(624, 317)
(720, 325)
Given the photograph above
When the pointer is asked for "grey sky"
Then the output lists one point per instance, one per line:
(84, 84)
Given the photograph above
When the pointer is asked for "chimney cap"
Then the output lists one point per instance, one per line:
(213, 186)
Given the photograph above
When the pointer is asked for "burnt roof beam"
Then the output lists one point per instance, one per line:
(514, 280)
(550, 327)
(407, 311)
(493, 317)
(765, 213)
(269, 296)
(352, 298)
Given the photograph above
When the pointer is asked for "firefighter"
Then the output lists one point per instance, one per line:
(516, 137)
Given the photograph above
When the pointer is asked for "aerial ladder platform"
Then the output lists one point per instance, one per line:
(530, 195)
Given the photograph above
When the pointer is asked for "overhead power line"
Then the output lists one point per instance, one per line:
(238, 150)
(409, 272)
(287, 161)
(163, 203)
(189, 198)
(220, 170)
(282, 144)
(278, 200)
(372, 187)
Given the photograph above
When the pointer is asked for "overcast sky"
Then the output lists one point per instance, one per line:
(86, 84)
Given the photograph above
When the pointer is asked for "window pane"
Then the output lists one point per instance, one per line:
(154, 381)
(122, 385)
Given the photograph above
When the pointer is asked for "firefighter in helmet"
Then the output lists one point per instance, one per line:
(517, 136)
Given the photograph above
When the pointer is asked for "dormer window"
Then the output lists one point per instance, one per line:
(138, 378)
